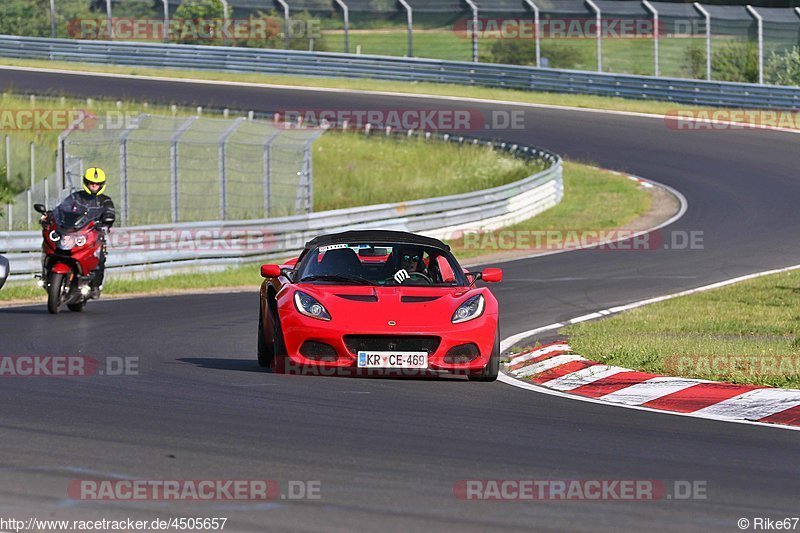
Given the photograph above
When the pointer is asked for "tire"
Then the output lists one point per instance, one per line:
(278, 347)
(265, 351)
(77, 308)
(54, 293)
(492, 369)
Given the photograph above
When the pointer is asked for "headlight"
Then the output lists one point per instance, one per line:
(55, 237)
(472, 308)
(310, 306)
(81, 240)
(66, 243)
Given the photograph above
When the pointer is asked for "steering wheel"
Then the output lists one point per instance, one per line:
(421, 275)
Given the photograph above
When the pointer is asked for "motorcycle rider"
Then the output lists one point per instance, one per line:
(100, 209)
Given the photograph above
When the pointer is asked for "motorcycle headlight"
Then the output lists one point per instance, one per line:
(469, 310)
(81, 240)
(309, 306)
(66, 243)
(55, 237)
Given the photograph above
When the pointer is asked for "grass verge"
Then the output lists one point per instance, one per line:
(594, 200)
(353, 169)
(509, 95)
(744, 333)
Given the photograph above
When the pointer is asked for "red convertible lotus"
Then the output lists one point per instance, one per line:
(378, 303)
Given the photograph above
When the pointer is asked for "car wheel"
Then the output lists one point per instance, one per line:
(265, 353)
(278, 347)
(492, 369)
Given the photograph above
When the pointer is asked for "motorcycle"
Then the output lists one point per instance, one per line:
(4, 271)
(72, 249)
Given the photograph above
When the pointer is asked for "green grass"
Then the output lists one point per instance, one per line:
(594, 199)
(352, 169)
(572, 100)
(696, 336)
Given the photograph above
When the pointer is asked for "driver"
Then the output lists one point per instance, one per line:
(100, 209)
(410, 260)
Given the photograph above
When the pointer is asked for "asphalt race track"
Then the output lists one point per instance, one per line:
(388, 452)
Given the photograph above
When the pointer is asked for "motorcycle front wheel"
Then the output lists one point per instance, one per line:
(54, 290)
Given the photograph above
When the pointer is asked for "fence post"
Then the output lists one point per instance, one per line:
(410, 22)
(30, 190)
(108, 16)
(166, 20)
(8, 158)
(346, 13)
(173, 160)
(656, 29)
(285, 7)
(760, 24)
(475, 23)
(268, 173)
(53, 19)
(46, 192)
(223, 171)
(707, 16)
(536, 33)
(123, 168)
(599, 33)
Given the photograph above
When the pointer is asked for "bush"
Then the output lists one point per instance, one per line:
(783, 68)
(737, 61)
(560, 54)
(734, 61)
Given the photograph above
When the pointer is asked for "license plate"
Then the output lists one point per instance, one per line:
(392, 360)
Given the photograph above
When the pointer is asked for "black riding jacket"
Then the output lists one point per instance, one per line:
(99, 207)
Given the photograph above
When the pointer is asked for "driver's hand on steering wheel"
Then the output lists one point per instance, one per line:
(401, 275)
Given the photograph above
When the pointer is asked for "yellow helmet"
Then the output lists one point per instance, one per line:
(92, 176)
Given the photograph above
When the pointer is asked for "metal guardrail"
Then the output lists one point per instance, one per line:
(682, 91)
(163, 248)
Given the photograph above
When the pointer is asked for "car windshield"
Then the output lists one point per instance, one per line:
(380, 264)
(71, 215)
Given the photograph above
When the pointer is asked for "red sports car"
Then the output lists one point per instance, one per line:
(378, 302)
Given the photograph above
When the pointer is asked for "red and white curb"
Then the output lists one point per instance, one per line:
(554, 370)
(556, 367)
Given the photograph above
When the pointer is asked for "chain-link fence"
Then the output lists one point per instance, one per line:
(168, 169)
(620, 36)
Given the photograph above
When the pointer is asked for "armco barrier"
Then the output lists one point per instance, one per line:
(161, 248)
(405, 69)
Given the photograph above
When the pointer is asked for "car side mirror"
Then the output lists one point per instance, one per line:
(40, 208)
(492, 275)
(270, 271)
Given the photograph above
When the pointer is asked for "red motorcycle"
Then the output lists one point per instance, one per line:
(72, 250)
